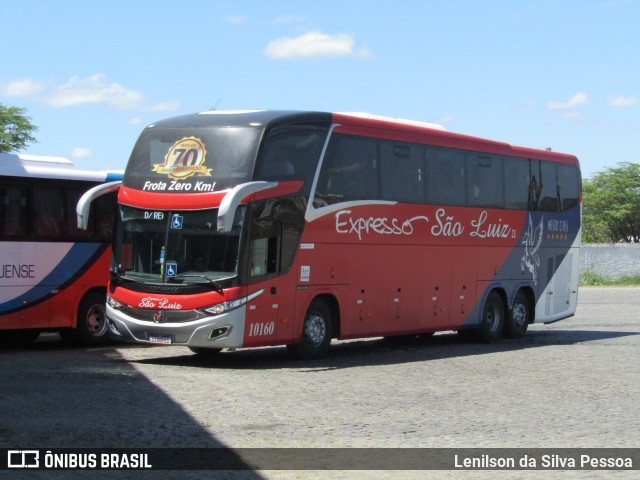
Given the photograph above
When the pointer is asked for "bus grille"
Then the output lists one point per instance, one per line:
(167, 316)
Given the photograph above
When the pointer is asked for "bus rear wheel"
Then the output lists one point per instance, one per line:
(316, 332)
(91, 327)
(519, 318)
(493, 319)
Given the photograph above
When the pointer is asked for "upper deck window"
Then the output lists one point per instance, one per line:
(349, 171)
(291, 152)
(189, 160)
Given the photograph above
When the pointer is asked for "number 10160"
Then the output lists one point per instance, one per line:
(262, 329)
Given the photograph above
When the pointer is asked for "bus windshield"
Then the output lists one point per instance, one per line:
(175, 247)
(223, 157)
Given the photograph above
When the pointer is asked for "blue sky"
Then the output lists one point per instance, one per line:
(562, 74)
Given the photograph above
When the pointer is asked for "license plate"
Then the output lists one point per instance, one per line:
(163, 339)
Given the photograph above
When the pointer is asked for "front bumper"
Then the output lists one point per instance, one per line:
(220, 331)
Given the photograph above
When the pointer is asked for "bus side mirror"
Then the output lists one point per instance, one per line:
(232, 199)
(84, 204)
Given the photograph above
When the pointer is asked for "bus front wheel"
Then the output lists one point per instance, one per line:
(316, 332)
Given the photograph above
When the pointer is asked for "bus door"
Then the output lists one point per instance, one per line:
(562, 282)
(270, 314)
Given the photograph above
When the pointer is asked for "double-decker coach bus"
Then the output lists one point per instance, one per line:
(254, 228)
(53, 275)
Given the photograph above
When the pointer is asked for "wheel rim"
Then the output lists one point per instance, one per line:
(519, 314)
(315, 329)
(96, 321)
(492, 317)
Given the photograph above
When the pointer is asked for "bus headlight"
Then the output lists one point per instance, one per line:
(113, 303)
(225, 307)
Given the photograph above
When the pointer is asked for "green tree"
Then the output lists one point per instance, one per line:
(611, 205)
(16, 129)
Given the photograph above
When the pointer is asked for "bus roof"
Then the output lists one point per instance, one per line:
(402, 121)
(242, 118)
(396, 128)
(40, 166)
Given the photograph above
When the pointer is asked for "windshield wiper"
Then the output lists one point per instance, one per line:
(132, 275)
(216, 286)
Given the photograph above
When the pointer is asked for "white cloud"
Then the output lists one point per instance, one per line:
(83, 91)
(621, 101)
(95, 89)
(24, 87)
(315, 44)
(81, 153)
(575, 101)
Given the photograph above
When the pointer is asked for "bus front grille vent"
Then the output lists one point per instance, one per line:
(168, 316)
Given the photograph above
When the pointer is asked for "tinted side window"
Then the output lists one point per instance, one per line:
(264, 248)
(349, 171)
(13, 211)
(47, 212)
(446, 176)
(484, 177)
(569, 185)
(71, 230)
(516, 182)
(291, 153)
(402, 172)
(544, 182)
(43, 209)
(105, 214)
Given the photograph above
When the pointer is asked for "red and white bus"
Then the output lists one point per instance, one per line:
(253, 228)
(53, 275)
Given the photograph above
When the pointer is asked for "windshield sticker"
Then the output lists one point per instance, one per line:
(184, 159)
(176, 221)
(172, 269)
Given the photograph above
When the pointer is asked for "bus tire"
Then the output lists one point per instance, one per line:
(519, 318)
(316, 332)
(493, 319)
(92, 326)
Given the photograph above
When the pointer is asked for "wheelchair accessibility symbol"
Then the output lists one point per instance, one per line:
(171, 269)
(176, 221)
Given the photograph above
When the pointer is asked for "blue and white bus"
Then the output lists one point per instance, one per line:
(53, 275)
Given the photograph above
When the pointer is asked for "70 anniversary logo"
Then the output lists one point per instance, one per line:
(184, 159)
